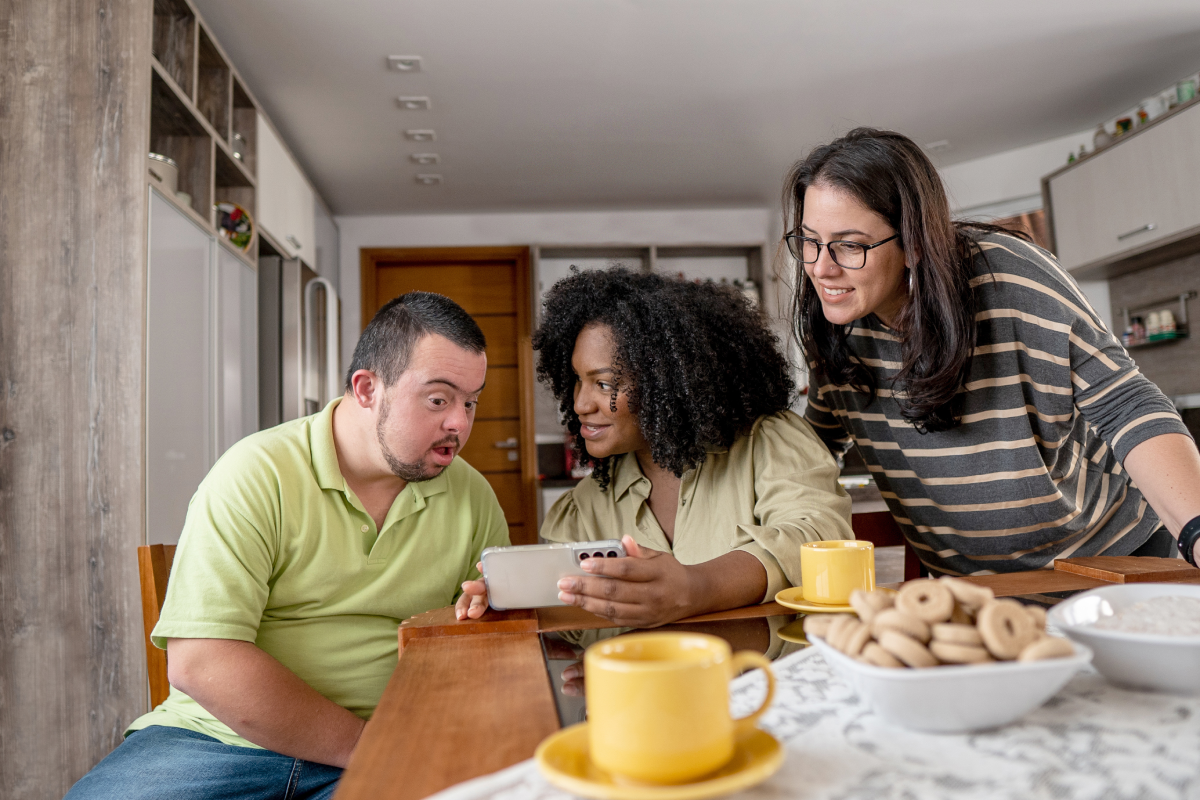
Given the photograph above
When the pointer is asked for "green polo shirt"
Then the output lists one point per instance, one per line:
(277, 550)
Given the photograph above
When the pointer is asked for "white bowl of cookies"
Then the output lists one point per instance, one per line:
(945, 656)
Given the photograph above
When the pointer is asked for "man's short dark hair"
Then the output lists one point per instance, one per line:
(386, 344)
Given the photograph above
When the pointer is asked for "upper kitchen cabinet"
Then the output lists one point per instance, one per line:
(286, 203)
(1131, 204)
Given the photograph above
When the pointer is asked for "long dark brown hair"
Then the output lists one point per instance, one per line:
(890, 175)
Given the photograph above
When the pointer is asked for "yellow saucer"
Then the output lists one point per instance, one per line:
(565, 762)
(793, 632)
(793, 598)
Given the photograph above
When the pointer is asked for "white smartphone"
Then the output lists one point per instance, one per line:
(526, 576)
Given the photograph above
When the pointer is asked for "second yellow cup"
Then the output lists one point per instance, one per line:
(831, 570)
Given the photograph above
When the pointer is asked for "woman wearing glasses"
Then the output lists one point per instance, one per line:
(1004, 424)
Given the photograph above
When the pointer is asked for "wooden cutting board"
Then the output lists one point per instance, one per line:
(1129, 569)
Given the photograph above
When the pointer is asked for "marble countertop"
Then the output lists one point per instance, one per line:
(1092, 741)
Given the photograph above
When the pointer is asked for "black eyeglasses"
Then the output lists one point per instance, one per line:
(847, 255)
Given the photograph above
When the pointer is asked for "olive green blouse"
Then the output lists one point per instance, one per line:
(772, 490)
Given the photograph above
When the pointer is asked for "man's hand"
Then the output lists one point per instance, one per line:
(262, 700)
(474, 600)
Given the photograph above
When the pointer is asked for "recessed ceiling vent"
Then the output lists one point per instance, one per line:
(404, 63)
(425, 159)
(414, 103)
(414, 135)
(429, 180)
(940, 146)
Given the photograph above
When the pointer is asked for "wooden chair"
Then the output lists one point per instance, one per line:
(154, 568)
(880, 528)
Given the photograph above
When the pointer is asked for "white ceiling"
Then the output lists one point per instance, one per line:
(569, 104)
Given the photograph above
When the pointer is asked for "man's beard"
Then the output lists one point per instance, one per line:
(409, 472)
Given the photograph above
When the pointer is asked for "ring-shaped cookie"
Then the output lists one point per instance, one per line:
(907, 649)
(856, 637)
(1047, 647)
(876, 655)
(971, 595)
(952, 633)
(952, 653)
(838, 630)
(927, 599)
(1006, 628)
(1039, 616)
(818, 624)
(894, 619)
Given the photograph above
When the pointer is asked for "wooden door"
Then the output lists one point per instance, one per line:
(492, 284)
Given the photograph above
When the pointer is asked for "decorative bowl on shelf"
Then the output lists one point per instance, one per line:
(234, 224)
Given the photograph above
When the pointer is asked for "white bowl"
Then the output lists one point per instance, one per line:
(957, 699)
(1134, 660)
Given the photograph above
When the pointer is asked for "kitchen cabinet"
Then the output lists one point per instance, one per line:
(287, 207)
(1113, 211)
(201, 361)
(180, 445)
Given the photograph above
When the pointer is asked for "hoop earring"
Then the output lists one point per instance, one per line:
(910, 280)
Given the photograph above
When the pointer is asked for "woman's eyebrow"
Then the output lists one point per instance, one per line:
(600, 371)
(835, 233)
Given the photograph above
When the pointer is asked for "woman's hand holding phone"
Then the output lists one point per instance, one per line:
(645, 589)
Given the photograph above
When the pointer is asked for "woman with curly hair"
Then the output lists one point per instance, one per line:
(677, 396)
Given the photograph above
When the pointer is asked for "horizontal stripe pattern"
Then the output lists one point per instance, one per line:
(1050, 407)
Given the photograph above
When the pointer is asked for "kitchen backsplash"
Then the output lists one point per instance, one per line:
(1174, 366)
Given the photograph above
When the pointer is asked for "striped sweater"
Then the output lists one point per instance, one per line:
(1053, 405)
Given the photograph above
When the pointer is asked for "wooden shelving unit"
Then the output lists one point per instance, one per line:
(198, 105)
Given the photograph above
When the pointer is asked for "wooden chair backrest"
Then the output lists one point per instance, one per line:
(880, 528)
(154, 568)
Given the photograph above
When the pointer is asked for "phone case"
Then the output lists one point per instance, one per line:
(526, 576)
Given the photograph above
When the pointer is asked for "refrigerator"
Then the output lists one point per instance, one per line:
(299, 317)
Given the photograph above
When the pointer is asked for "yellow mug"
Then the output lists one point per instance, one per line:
(830, 571)
(658, 705)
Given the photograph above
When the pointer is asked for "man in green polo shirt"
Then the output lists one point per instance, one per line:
(303, 549)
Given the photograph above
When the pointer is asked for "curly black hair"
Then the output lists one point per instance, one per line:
(696, 360)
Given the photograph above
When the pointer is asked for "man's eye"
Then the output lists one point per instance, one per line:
(471, 404)
(437, 401)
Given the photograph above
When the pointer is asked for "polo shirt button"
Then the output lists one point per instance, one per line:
(366, 528)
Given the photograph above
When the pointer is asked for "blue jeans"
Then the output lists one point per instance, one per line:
(163, 762)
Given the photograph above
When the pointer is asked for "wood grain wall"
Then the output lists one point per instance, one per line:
(74, 129)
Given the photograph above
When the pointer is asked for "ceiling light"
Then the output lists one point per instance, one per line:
(425, 158)
(429, 180)
(414, 135)
(414, 103)
(404, 63)
(940, 146)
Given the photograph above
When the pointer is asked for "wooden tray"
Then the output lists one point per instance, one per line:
(1129, 569)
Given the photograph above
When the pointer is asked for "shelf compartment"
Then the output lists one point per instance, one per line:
(214, 87)
(231, 185)
(176, 133)
(174, 42)
(245, 128)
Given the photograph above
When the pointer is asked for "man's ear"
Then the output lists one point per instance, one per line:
(366, 388)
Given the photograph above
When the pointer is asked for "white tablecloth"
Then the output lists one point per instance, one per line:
(1091, 741)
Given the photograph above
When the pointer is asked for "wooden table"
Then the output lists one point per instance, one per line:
(473, 697)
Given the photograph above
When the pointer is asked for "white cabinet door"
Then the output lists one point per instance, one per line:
(1140, 191)
(237, 350)
(286, 205)
(179, 420)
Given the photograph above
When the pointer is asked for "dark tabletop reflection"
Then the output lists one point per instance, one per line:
(563, 651)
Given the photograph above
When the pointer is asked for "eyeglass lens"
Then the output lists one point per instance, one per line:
(849, 255)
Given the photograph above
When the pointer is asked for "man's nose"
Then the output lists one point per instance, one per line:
(456, 420)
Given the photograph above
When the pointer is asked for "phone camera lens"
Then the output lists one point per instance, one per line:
(611, 554)
(597, 555)
(582, 556)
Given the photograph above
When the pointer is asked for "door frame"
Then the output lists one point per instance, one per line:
(519, 256)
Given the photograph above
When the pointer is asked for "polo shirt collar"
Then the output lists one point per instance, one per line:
(329, 473)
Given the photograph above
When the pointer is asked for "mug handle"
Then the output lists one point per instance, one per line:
(745, 660)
